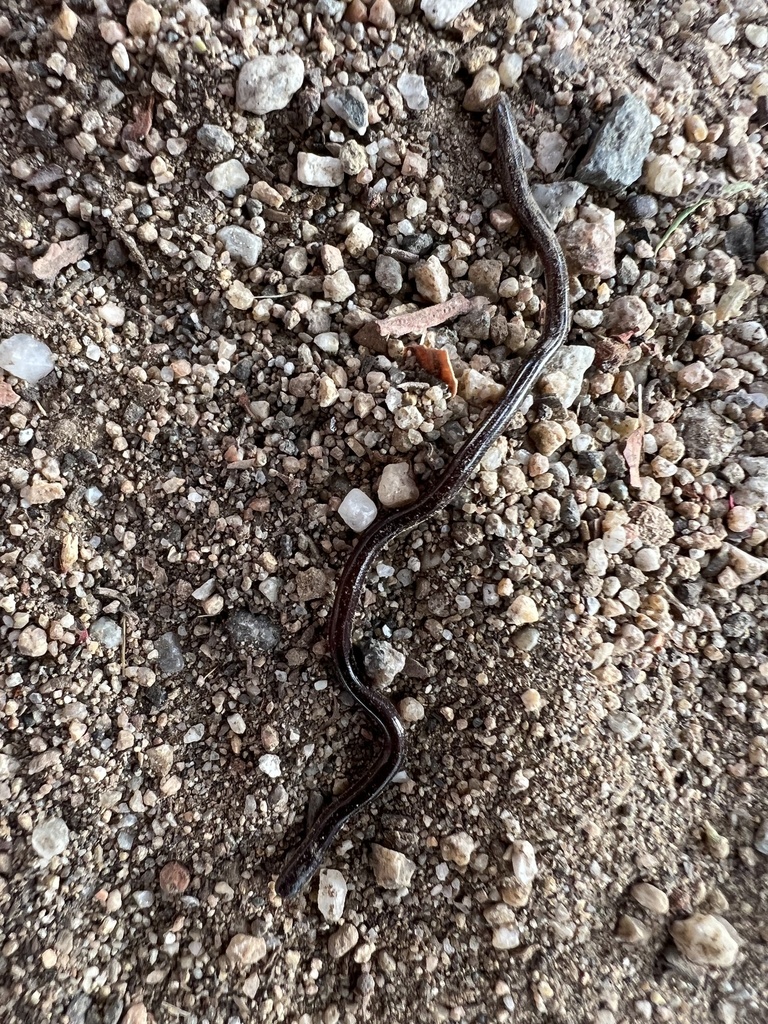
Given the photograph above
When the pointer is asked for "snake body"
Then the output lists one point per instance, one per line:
(307, 857)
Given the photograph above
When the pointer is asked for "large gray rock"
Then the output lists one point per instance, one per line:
(619, 148)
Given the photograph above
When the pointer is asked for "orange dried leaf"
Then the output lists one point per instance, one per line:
(436, 362)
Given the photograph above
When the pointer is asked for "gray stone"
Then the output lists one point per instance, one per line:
(553, 200)
(351, 106)
(389, 274)
(215, 139)
(253, 632)
(382, 661)
(706, 435)
(170, 659)
(242, 245)
(620, 146)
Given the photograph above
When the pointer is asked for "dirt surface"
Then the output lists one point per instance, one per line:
(585, 680)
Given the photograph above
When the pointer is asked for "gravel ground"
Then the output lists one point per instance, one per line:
(203, 205)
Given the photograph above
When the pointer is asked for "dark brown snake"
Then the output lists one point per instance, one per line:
(305, 860)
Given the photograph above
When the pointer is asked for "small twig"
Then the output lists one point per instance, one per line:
(417, 322)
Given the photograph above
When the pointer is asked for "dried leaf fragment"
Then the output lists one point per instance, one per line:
(436, 362)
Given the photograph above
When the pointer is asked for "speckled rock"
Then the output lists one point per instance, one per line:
(707, 940)
(391, 869)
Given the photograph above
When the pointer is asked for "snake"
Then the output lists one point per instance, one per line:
(304, 861)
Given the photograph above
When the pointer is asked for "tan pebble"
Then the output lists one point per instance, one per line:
(356, 12)
(42, 493)
(142, 20)
(457, 848)
(484, 88)
(65, 24)
(70, 547)
(244, 950)
(629, 929)
(382, 15)
(391, 869)
(741, 518)
(342, 941)
(651, 897)
(523, 611)
(514, 892)
(548, 436)
(664, 176)
(695, 128)
(135, 1014)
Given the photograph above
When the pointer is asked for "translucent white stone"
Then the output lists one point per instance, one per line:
(50, 838)
(26, 357)
(357, 510)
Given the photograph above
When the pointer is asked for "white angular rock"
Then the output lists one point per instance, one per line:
(331, 895)
(413, 89)
(267, 83)
(319, 171)
(440, 13)
(26, 357)
(357, 510)
(524, 861)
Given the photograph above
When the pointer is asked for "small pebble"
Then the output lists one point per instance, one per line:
(229, 178)
(142, 20)
(174, 878)
(413, 90)
(357, 510)
(319, 171)
(458, 848)
(651, 897)
(342, 941)
(397, 486)
(32, 642)
(107, 632)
